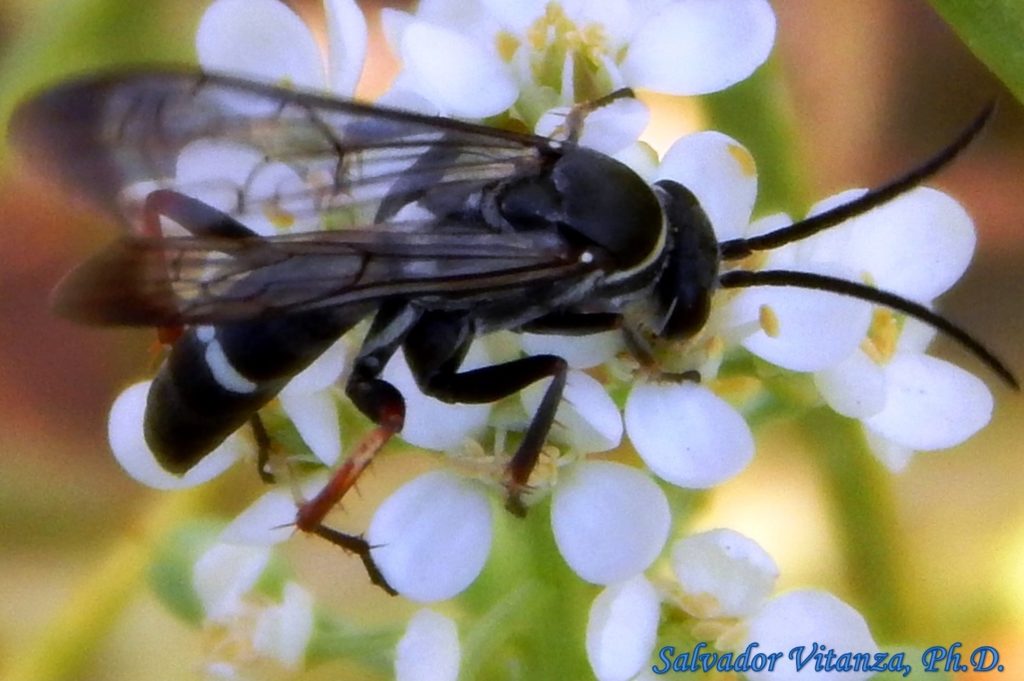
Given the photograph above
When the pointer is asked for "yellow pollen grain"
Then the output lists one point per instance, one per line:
(768, 320)
(507, 44)
(744, 159)
(279, 217)
(884, 333)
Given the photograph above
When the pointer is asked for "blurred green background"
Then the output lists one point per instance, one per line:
(872, 87)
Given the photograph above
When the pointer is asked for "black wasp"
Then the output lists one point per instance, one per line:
(438, 230)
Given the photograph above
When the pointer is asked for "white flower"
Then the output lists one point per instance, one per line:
(271, 518)
(622, 628)
(806, 618)
(223, 577)
(282, 632)
(431, 537)
(475, 59)
(126, 434)
(429, 422)
(722, 574)
(429, 649)
(610, 520)
(310, 402)
(868, 362)
(265, 40)
(686, 434)
(917, 246)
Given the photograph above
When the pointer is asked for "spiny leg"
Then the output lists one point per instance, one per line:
(577, 115)
(381, 403)
(264, 446)
(435, 348)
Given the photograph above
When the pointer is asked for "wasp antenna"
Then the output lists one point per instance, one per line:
(819, 282)
(740, 248)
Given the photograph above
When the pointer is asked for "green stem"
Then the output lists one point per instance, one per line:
(528, 610)
(864, 514)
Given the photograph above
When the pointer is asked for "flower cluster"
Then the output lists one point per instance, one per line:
(522, 64)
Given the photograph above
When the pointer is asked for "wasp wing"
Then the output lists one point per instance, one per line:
(269, 157)
(193, 280)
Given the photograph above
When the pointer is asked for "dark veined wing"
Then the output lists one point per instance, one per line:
(208, 279)
(269, 157)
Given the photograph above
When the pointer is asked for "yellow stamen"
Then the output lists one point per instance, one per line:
(747, 165)
(278, 217)
(883, 334)
(769, 321)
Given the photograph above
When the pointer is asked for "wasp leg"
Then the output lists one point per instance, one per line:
(381, 403)
(577, 115)
(263, 448)
(435, 348)
(192, 214)
(361, 548)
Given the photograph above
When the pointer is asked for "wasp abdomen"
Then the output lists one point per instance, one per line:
(216, 377)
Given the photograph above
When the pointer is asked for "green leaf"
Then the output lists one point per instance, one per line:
(994, 32)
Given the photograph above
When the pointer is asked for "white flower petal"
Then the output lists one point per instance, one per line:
(642, 158)
(315, 416)
(458, 74)
(401, 96)
(271, 518)
(723, 573)
(346, 44)
(721, 174)
(323, 373)
(283, 632)
(930, 403)
(515, 15)
(581, 352)
(431, 537)
(917, 245)
(260, 39)
(893, 456)
(686, 434)
(805, 618)
(431, 423)
(622, 628)
(429, 649)
(587, 418)
(608, 129)
(855, 387)
(213, 172)
(128, 442)
(470, 17)
(694, 47)
(224, 574)
(610, 521)
(268, 520)
(816, 329)
(915, 336)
